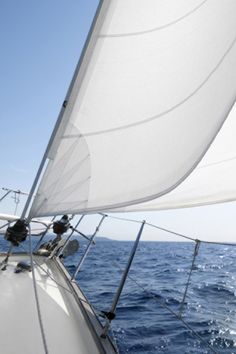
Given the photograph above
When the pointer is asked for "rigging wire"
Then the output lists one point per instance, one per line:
(120, 218)
(163, 304)
(176, 315)
(7, 224)
(170, 231)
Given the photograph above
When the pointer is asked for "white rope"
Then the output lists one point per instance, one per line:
(36, 294)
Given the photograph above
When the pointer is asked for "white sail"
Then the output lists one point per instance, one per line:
(213, 180)
(154, 87)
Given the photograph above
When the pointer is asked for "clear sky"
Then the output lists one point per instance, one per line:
(40, 45)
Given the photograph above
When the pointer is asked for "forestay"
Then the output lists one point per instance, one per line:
(152, 91)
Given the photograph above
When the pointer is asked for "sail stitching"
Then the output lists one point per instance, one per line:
(160, 115)
(54, 185)
(217, 163)
(132, 34)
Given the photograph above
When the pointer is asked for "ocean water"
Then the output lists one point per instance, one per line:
(158, 276)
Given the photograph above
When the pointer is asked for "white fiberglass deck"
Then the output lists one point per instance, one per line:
(66, 325)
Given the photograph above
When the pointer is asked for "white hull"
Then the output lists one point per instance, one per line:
(69, 323)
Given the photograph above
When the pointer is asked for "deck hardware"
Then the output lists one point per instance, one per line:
(17, 233)
(52, 247)
(23, 267)
(73, 229)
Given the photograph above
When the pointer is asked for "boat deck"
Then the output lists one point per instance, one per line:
(69, 323)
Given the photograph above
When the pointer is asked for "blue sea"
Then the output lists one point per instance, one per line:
(157, 280)
(144, 322)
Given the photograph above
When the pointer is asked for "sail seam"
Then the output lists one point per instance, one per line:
(160, 115)
(216, 163)
(112, 208)
(155, 29)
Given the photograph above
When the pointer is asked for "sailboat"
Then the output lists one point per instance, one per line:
(145, 125)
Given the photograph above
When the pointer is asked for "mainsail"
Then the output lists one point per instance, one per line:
(154, 86)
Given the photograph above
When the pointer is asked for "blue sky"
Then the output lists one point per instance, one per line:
(41, 43)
